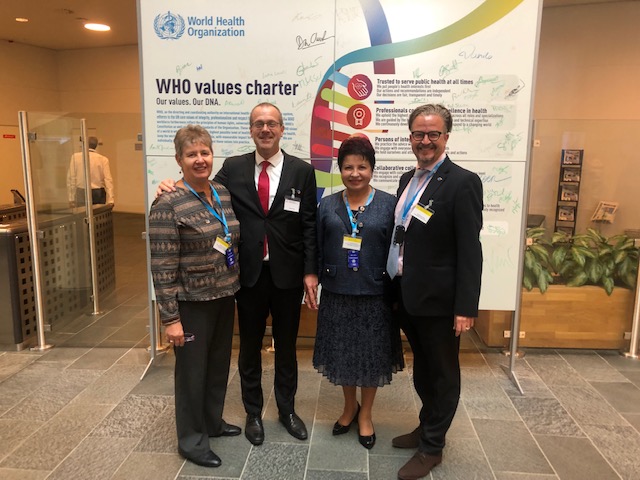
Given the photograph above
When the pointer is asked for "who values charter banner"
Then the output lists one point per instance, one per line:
(339, 67)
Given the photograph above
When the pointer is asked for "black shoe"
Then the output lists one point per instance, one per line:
(228, 431)
(207, 459)
(294, 425)
(367, 441)
(339, 429)
(253, 429)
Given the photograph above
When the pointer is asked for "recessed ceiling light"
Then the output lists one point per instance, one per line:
(22, 19)
(97, 27)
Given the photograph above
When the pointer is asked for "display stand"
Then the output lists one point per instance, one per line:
(568, 190)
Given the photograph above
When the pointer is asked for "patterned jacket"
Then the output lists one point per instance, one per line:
(184, 264)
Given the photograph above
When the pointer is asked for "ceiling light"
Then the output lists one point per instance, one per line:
(97, 27)
(22, 19)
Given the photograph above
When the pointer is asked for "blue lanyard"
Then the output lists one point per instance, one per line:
(222, 219)
(409, 203)
(352, 220)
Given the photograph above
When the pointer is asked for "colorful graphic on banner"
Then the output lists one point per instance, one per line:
(336, 68)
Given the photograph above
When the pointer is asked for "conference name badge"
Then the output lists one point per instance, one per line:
(351, 243)
(221, 245)
(292, 204)
(422, 213)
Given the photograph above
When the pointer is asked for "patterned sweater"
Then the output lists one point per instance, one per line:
(184, 264)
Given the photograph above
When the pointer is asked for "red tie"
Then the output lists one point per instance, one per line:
(263, 195)
(263, 188)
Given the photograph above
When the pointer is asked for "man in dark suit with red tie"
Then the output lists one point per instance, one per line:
(274, 197)
(435, 260)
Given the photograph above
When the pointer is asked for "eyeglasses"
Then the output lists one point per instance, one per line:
(259, 125)
(432, 136)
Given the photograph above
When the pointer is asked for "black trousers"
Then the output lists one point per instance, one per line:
(202, 372)
(436, 374)
(98, 196)
(254, 306)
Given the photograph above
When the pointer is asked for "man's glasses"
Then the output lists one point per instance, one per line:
(418, 136)
(260, 125)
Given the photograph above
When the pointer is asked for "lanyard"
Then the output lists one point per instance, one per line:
(352, 220)
(409, 203)
(221, 218)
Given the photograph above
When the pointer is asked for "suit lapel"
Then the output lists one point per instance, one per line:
(285, 178)
(248, 172)
(436, 181)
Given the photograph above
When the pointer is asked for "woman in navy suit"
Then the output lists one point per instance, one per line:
(357, 343)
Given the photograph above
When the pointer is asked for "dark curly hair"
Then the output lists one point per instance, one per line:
(357, 145)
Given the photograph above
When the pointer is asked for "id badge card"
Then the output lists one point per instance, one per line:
(352, 243)
(231, 257)
(221, 245)
(353, 259)
(292, 204)
(422, 213)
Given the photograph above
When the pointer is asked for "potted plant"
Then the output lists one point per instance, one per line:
(578, 292)
(582, 259)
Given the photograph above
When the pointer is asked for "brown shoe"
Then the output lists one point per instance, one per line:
(419, 466)
(408, 440)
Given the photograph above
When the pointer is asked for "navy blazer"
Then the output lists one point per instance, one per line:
(375, 225)
(291, 236)
(442, 261)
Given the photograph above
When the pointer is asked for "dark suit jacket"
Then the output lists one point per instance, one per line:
(291, 236)
(442, 262)
(376, 230)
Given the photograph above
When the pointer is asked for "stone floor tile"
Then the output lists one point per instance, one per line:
(633, 419)
(21, 474)
(276, 461)
(575, 458)
(620, 445)
(133, 417)
(510, 447)
(99, 358)
(587, 406)
(329, 475)
(623, 396)
(149, 466)
(111, 387)
(463, 459)
(385, 467)
(95, 459)
(546, 416)
(50, 444)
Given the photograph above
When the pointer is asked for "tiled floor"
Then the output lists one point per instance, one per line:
(80, 411)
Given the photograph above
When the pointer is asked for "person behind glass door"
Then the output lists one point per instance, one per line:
(193, 238)
(101, 181)
(274, 197)
(435, 260)
(357, 343)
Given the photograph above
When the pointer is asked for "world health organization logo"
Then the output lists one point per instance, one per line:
(169, 26)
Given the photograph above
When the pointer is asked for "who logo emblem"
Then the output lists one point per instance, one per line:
(169, 26)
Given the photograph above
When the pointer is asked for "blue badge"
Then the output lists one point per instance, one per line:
(353, 259)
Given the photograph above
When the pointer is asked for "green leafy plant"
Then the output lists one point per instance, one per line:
(583, 259)
(537, 271)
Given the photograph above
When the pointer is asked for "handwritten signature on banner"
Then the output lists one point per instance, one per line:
(316, 39)
(498, 192)
(302, 68)
(181, 68)
(509, 142)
